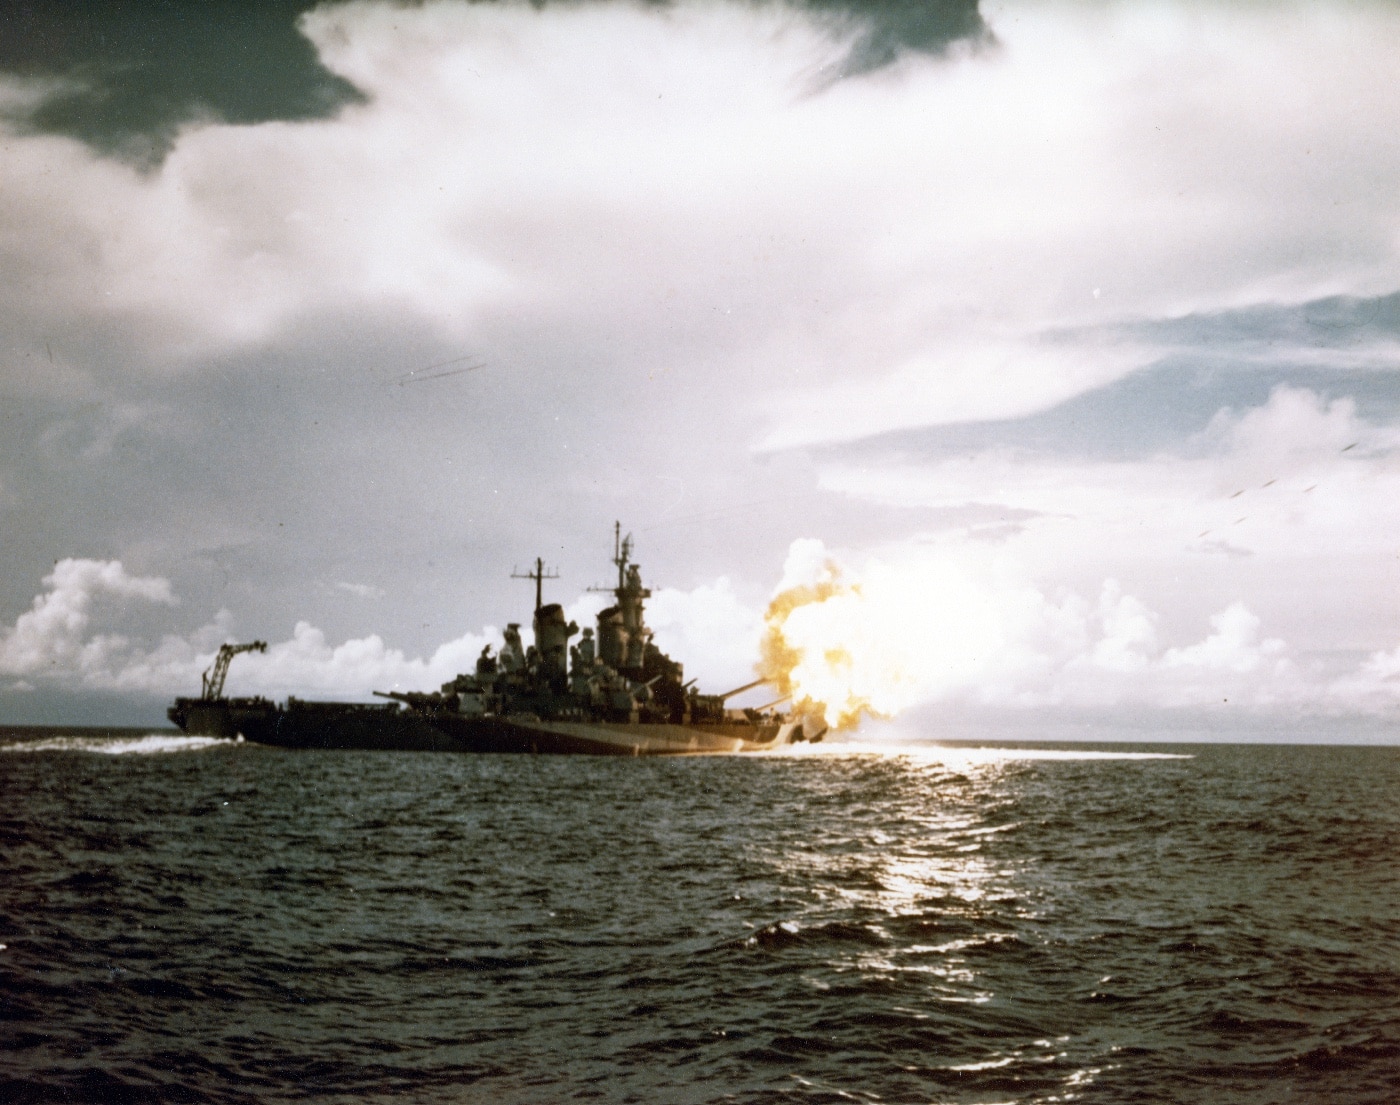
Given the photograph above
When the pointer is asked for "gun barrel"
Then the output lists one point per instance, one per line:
(741, 690)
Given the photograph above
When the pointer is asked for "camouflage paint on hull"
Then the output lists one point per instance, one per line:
(346, 725)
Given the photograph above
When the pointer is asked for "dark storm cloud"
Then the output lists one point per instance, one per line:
(134, 70)
(888, 28)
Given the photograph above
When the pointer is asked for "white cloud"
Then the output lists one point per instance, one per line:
(1302, 489)
(53, 635)
(60, 641)
(959, 381)
(688, 179)
(676, 239)
(1373, 688)
(710, 630)
(1233, 646)
(308, 665)
(1129, 638)
(916, 625)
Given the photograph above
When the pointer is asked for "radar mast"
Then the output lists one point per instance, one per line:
(539, 575)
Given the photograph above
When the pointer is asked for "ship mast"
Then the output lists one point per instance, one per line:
(622, 632)
(622, 553)
(539, 575)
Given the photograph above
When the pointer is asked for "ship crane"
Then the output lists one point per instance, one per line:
(218, 671)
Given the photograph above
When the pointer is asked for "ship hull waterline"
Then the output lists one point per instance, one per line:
(353, 726)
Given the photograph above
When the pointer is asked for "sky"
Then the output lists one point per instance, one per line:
(1059, 339)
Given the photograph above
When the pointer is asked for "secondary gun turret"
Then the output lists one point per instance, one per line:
(213, 679)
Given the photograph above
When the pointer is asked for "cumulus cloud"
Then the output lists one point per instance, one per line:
(711, 630)
(1301, 489)
(52, 637)
(1129, 638)
(61, 641)
(1374, 687)
(308, 665)
(912, 626)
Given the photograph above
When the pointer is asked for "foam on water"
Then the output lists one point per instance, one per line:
(150, 744)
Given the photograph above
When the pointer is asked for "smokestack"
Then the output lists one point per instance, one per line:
(552, 635)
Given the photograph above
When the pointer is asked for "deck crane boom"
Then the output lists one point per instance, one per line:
(218, 671)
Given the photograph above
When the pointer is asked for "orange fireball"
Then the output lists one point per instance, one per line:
(906, 632)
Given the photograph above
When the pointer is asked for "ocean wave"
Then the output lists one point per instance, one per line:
(786, 934)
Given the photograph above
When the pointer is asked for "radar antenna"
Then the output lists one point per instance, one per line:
(622, 556)
(539, 575)
(218, 671)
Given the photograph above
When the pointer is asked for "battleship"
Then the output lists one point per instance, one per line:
(614, 692)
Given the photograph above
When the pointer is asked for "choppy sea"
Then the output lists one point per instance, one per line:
(190, 920)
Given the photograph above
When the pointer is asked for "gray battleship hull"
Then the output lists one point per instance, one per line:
(601, 738)
(249, 718)
(356, 726)
(299, 724)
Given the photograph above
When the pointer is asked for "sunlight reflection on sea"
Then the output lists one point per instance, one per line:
(892, 921)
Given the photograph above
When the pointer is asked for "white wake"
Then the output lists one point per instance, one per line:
(150, 744)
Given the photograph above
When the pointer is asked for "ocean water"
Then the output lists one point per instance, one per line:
(189, 920)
